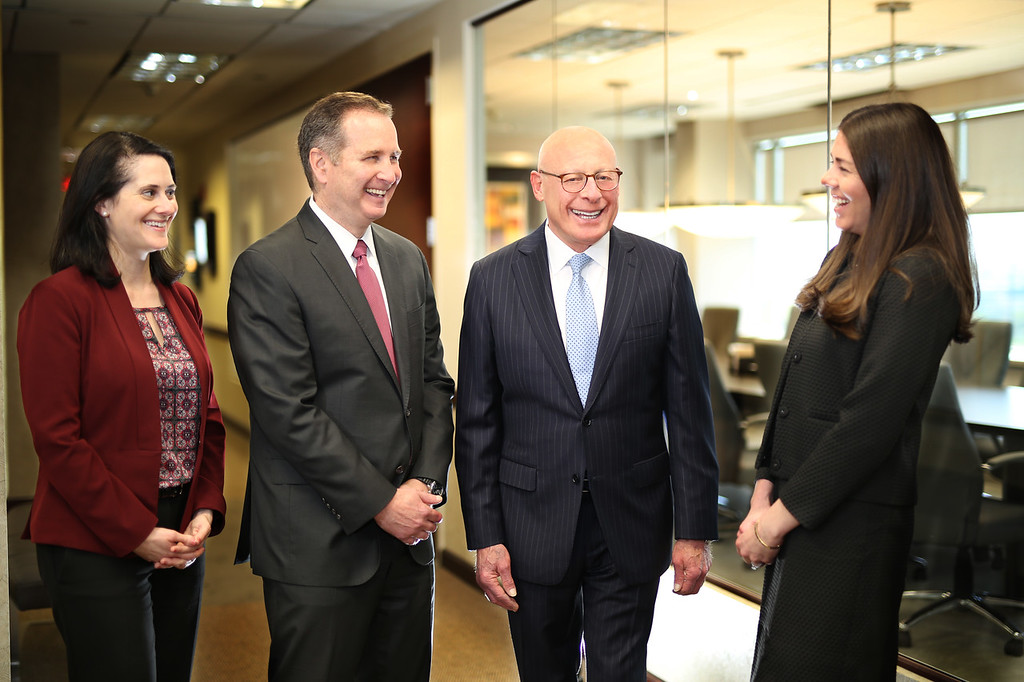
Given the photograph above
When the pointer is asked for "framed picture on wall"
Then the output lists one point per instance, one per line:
(505, 213)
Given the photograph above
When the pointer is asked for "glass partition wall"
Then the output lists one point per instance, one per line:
(711, 105)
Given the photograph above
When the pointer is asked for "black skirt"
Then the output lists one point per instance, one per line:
(830, 603)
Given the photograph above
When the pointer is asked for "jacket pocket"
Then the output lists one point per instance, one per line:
(517, 475)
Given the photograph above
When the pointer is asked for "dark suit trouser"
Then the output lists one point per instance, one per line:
(591, 603)
(122, 619)
(379, 631)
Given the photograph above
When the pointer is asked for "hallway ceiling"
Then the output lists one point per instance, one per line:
(268, 49)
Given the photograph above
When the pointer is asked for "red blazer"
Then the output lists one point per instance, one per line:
(91, 399)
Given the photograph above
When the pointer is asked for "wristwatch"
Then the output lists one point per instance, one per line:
(433, 487)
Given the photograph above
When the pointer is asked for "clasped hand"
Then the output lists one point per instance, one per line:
(410, 515)
(167, 548)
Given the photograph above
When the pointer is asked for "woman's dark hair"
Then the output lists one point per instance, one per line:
(905, 165)
(102, 170)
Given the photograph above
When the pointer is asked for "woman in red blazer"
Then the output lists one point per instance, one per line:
(117, 387)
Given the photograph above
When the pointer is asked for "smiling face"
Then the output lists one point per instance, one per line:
(579, 219)
(849, 195)
(139, 216)
(355, 188)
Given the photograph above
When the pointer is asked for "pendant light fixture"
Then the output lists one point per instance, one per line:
(818, 200)
(731, 219)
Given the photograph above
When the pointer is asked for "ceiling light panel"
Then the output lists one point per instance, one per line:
(105, 122)
(169, 67)
(594, 45)
(881, 56)
(257, 4)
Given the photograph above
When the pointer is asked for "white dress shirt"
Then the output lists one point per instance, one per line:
(595, 273)
(347, 243)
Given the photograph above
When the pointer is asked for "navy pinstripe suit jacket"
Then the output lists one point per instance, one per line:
(524, 442)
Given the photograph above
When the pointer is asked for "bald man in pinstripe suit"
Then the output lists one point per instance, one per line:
(578, 472)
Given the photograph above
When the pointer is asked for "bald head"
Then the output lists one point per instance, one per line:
(578, 218)
(574, 140)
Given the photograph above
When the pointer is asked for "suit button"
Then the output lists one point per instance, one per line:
(776, 465)
(797, 356)
(408, 413)
(400, 470)
(588, 422)
(783, 412)
(575, 479)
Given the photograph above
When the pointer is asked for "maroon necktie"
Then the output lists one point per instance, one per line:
(371, 289)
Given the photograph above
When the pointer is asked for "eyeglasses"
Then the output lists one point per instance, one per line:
(606, 180)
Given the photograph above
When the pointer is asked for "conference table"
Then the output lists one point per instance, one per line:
(999, 411)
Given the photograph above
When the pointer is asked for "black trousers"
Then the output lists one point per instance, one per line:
(592, 606)
(121, 619)
(379, 631)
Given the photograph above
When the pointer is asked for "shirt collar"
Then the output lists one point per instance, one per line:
(559, 252)
(345, 239)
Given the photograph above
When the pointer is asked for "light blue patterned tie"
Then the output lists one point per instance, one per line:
(580, 327)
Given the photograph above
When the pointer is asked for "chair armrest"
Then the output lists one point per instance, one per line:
(756, 418)
(999, 461)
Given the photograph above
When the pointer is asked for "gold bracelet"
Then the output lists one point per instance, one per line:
(765, 544)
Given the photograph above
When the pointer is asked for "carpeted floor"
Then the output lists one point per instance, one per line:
(471, 640)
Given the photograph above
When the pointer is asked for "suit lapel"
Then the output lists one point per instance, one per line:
(326, 252)
(533, 281)
(619, 295)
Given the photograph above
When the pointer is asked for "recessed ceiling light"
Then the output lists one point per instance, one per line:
(881, 56)
(170, 67)
(594, 45)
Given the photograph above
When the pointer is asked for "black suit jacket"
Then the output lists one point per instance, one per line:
(333, 432)
(846, 417)
(524, 442)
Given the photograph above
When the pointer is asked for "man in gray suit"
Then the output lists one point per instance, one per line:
(335, 336)
(581, 349)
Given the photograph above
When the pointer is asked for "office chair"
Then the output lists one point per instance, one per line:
(984, 359)
(732, 443)
(720, 326)
(952, 511)
(768, 355)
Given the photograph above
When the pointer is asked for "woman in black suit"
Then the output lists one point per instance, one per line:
(831, 515)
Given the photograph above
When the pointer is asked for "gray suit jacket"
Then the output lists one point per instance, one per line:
(333, 432)
(524, 442)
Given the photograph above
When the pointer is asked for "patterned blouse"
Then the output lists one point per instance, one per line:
(178, 386)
